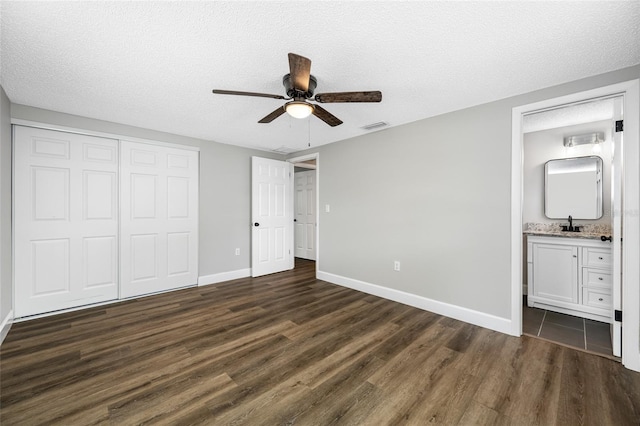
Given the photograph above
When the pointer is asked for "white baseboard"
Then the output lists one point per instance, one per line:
(224, 276)
(481, 319)
(6, 326)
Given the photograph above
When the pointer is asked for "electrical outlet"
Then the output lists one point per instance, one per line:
(396, 265)
(237, 252)
(327, 209)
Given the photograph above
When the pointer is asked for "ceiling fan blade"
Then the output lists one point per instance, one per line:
(272, 116)
(300, 69)
(326, 116)
(235, 92)
(374, 96)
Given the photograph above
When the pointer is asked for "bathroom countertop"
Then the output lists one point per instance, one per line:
(589, 231)
(566, 234)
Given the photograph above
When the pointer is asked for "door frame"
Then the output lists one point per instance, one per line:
(630, 90)
(312, 156)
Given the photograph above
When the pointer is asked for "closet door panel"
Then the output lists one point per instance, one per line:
(50, 265)
(159, 221)
(65, 220)
(100, 266)
(144, 257)
(100, 195)
(178, 253)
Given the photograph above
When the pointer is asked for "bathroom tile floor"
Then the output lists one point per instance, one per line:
(580, 333)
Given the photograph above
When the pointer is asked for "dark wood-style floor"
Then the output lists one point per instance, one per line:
(289, 349)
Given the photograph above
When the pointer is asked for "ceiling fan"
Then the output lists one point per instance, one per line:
(299, 86)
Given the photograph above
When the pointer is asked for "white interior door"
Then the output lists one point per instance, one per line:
(159, 218)
(65, 220)
(272, 216)
(616, 209)
(305, 214)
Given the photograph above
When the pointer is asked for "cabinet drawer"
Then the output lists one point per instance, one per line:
(596, 298)
(596, 257)
(596, 277)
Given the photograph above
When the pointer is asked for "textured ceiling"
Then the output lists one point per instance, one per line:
(568, 116)
(153, 64)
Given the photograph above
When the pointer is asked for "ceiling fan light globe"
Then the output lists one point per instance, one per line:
(298, 109)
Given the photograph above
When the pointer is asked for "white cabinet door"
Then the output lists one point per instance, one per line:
(66, 220)
(305, 214)
(272, 214)
(159, 218)
(555, 269)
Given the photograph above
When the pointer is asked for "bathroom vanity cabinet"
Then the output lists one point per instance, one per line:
(570, 275)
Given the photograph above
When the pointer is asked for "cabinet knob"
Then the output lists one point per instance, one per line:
(600, 278)
(600, 257)
(575, 255)
(600, 299)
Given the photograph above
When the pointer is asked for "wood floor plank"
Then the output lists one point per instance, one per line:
(289, 349)
(168, 398)
(341, 399)
(403, 396)
(525, 381)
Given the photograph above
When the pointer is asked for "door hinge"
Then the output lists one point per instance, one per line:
(617, 315)
(619, 125)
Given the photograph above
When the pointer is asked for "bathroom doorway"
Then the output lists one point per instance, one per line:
(579, 313)
(627, 300)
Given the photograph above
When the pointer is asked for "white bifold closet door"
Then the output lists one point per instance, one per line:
(159, 218)
(65, 220)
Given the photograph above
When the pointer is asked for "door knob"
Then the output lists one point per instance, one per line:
(603, 238)
(256, 224)
(295, 220)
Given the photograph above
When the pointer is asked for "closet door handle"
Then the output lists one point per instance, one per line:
(256, 224)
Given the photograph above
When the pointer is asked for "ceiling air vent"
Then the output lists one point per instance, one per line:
(285, 150)
(374, 126)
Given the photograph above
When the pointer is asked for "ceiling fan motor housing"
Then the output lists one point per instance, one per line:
(294, 93)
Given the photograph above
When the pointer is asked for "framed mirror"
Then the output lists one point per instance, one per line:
(573, 186)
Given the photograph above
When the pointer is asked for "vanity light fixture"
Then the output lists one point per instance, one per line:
(298, 109)
(587, 139)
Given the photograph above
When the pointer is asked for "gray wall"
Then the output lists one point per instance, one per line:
(542, 146)
(435, 195)
(6, 287)
(225, 184)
